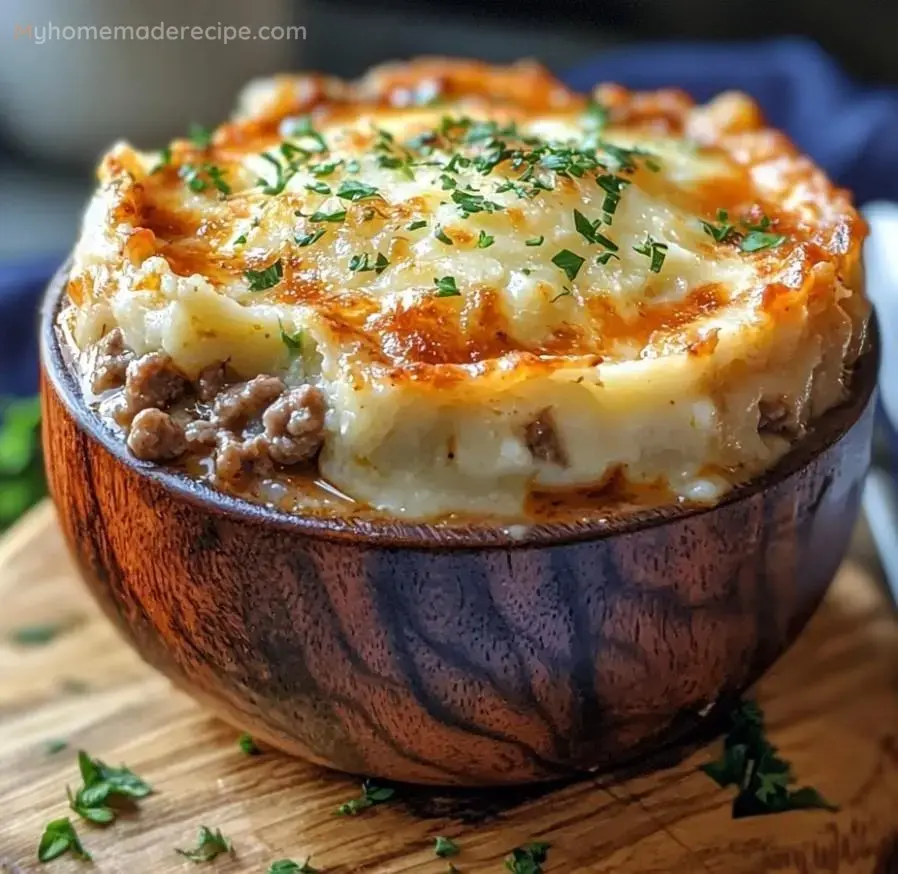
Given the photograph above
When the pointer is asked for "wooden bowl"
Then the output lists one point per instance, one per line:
(422, 654)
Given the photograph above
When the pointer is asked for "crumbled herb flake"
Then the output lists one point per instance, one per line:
(335, 215)
(722, 230)
(308, 239)
(569, 262)
(442, 236)
(60, 837)
(294, 343)
(527, 859)
(209, 844)
(755, 241)
(164, 160)
(260, 280)
(446, 287)
(354, 190)
(200, 136)
(751, 763)
(654, 250)
(445, 847)
(371, 795)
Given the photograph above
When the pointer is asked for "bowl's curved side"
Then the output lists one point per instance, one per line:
(454, 665)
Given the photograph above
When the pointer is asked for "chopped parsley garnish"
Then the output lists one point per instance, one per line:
(653, 249)
(39, 634)
(319, 187)
(416, 225)
(362, 263)
(444, 847)
(335, 215)
(323, 169)
(209, 844)
(164, 160)
(723, 230)
(612, 186)
(755, 241)
(200, 136)
(446, 287)
(535, 241)
(484, 241)
(371, 795)
(527, 859)
(752, 764)
(302, 127)
(568, 261)
(259, 280)
(288, 866)
(470, 203)
(308, 239)
(284, 174)
(595, 118)
(60, 837)
(294, 343)
(442, 236)
(352, 189)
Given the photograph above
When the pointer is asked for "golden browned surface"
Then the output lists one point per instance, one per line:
(830, 703)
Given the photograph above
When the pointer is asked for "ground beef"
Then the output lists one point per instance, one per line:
(211, 381)
(294, 425)
(542, 440)
(110, 362)
(236, 406)
(155, 436)
(200, 433)
(235, 457)
(152, 381)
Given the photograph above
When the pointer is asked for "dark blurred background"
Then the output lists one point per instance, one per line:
(63, 101)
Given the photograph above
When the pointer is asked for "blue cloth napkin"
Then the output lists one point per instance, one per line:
(850, 130)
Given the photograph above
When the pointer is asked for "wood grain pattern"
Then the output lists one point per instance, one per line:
(433, 663)
(831, 704)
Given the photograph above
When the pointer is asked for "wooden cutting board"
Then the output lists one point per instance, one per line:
(831, 705)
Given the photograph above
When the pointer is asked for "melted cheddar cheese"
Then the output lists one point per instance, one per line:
(451, 251)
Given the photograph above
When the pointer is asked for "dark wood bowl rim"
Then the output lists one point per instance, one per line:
(390, 533)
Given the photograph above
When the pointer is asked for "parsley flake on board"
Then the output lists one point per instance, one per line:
(371, 795)
(653, 249)
(569, 262)
(308, 239)
(751, 763)
(60, 837)
(288, 866)
(260, 280)
(209, 844)
(294, 343)
(354, 190)
(444, 847)
(527, 859)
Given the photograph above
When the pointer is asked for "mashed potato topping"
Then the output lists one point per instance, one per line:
(496, 284)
